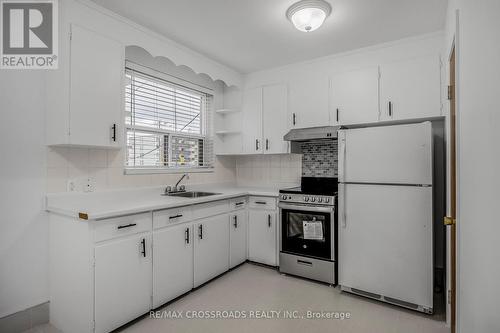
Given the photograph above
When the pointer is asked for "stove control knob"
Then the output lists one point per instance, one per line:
(327, 200)
(306, 199)
(320, 200)
(313, 199)
(283, 197)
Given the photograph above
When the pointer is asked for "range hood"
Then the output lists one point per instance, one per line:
(311, 133)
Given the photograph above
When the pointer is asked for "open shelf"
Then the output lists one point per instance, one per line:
(227, 132)
(226, 111)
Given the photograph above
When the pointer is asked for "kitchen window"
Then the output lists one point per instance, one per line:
(168, 123)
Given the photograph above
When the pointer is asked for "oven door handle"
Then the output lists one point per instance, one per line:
(307, 208)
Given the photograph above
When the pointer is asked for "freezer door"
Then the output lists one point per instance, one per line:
(385, 241)
(400, 154)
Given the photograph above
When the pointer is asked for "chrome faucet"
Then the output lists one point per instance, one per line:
(174, 189)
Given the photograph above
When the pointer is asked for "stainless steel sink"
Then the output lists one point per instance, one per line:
(192, 194)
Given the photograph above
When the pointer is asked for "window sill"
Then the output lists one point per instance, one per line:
(145, 171)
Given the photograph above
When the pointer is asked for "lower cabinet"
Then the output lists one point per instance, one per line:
(172, 262)
(262, 230)
(211, 248)
(122, 281)
(237, 238)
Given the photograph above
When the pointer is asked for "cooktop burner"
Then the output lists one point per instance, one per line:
(315, 186)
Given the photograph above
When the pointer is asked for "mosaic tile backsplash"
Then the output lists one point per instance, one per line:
(320, 158)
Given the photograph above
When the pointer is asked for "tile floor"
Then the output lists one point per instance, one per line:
(256, 288)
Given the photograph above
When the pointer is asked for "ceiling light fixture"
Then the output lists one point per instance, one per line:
(308, 15)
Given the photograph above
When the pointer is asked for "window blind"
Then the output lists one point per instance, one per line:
(169, 126)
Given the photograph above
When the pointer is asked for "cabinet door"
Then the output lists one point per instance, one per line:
(410, 89)
(96, 89)
(211, 249)
(262, 236)
(274, 102)
(237, 238)
(309, 101)
(252, 121)
(354, 97)
(172, 263)
(123, 278)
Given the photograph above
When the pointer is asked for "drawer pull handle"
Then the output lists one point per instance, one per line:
(187, 235)
(260, 202)
(175, 216)
(269, 220)
(240, 203)
(126, 226)
(235, 221)
(302, 262)
(143, 242)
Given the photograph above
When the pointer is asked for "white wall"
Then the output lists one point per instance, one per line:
(478, 116)
(23, 223)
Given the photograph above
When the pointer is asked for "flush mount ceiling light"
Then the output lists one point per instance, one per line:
(308, 15)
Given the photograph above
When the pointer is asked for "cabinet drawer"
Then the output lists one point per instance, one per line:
(121, 226)
(262, 202)
(238, 203)
(210, 209)
(166, 217)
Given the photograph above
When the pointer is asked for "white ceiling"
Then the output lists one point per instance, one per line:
(251, 35)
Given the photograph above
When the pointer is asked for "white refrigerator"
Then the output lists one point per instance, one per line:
(385, 214)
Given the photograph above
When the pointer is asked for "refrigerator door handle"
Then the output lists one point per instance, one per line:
(342, 205)
(342, 156)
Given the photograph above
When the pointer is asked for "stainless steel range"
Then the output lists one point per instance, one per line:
(308, 237)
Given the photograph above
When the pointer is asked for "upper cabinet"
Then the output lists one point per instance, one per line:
(274, 111)
(354, 97)
(309, 101)
(264, 120)
(410, 89)
(95, 76)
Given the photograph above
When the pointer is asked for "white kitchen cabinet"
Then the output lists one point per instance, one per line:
(252, 121)
(262, 247)
(264, 120)
(410, 89)
(93, 114)
(274, 110)
(172, 262)
(122, 281)
(237, 238)
(354, 96)
(309, 101)
(211, 248)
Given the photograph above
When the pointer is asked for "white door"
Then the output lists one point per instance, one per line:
(123, 281)
(385, 241)
(211, 249)
(400, 154)
(252, 121)
(410, 89)
(309, 100)
(97, 89)
(172, 263)
(354, 96)
(262, 237)
(237, 238)
(274, 101)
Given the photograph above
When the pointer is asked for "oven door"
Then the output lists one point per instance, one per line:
(307, 230)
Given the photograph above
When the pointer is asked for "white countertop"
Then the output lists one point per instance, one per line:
(106, 204)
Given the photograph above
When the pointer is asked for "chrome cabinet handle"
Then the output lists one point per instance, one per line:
(113, 136)
(187, 236)
(200, 231)
(294, 119)
(175, 216)
(267, 144)
(390, 109)
(337, 115)
(269, 220)
(235, 221)
(256, 144)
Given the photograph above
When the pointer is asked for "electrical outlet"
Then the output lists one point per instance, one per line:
(89, 185)
(70, 185)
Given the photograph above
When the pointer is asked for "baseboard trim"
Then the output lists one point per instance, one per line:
(25, 319)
